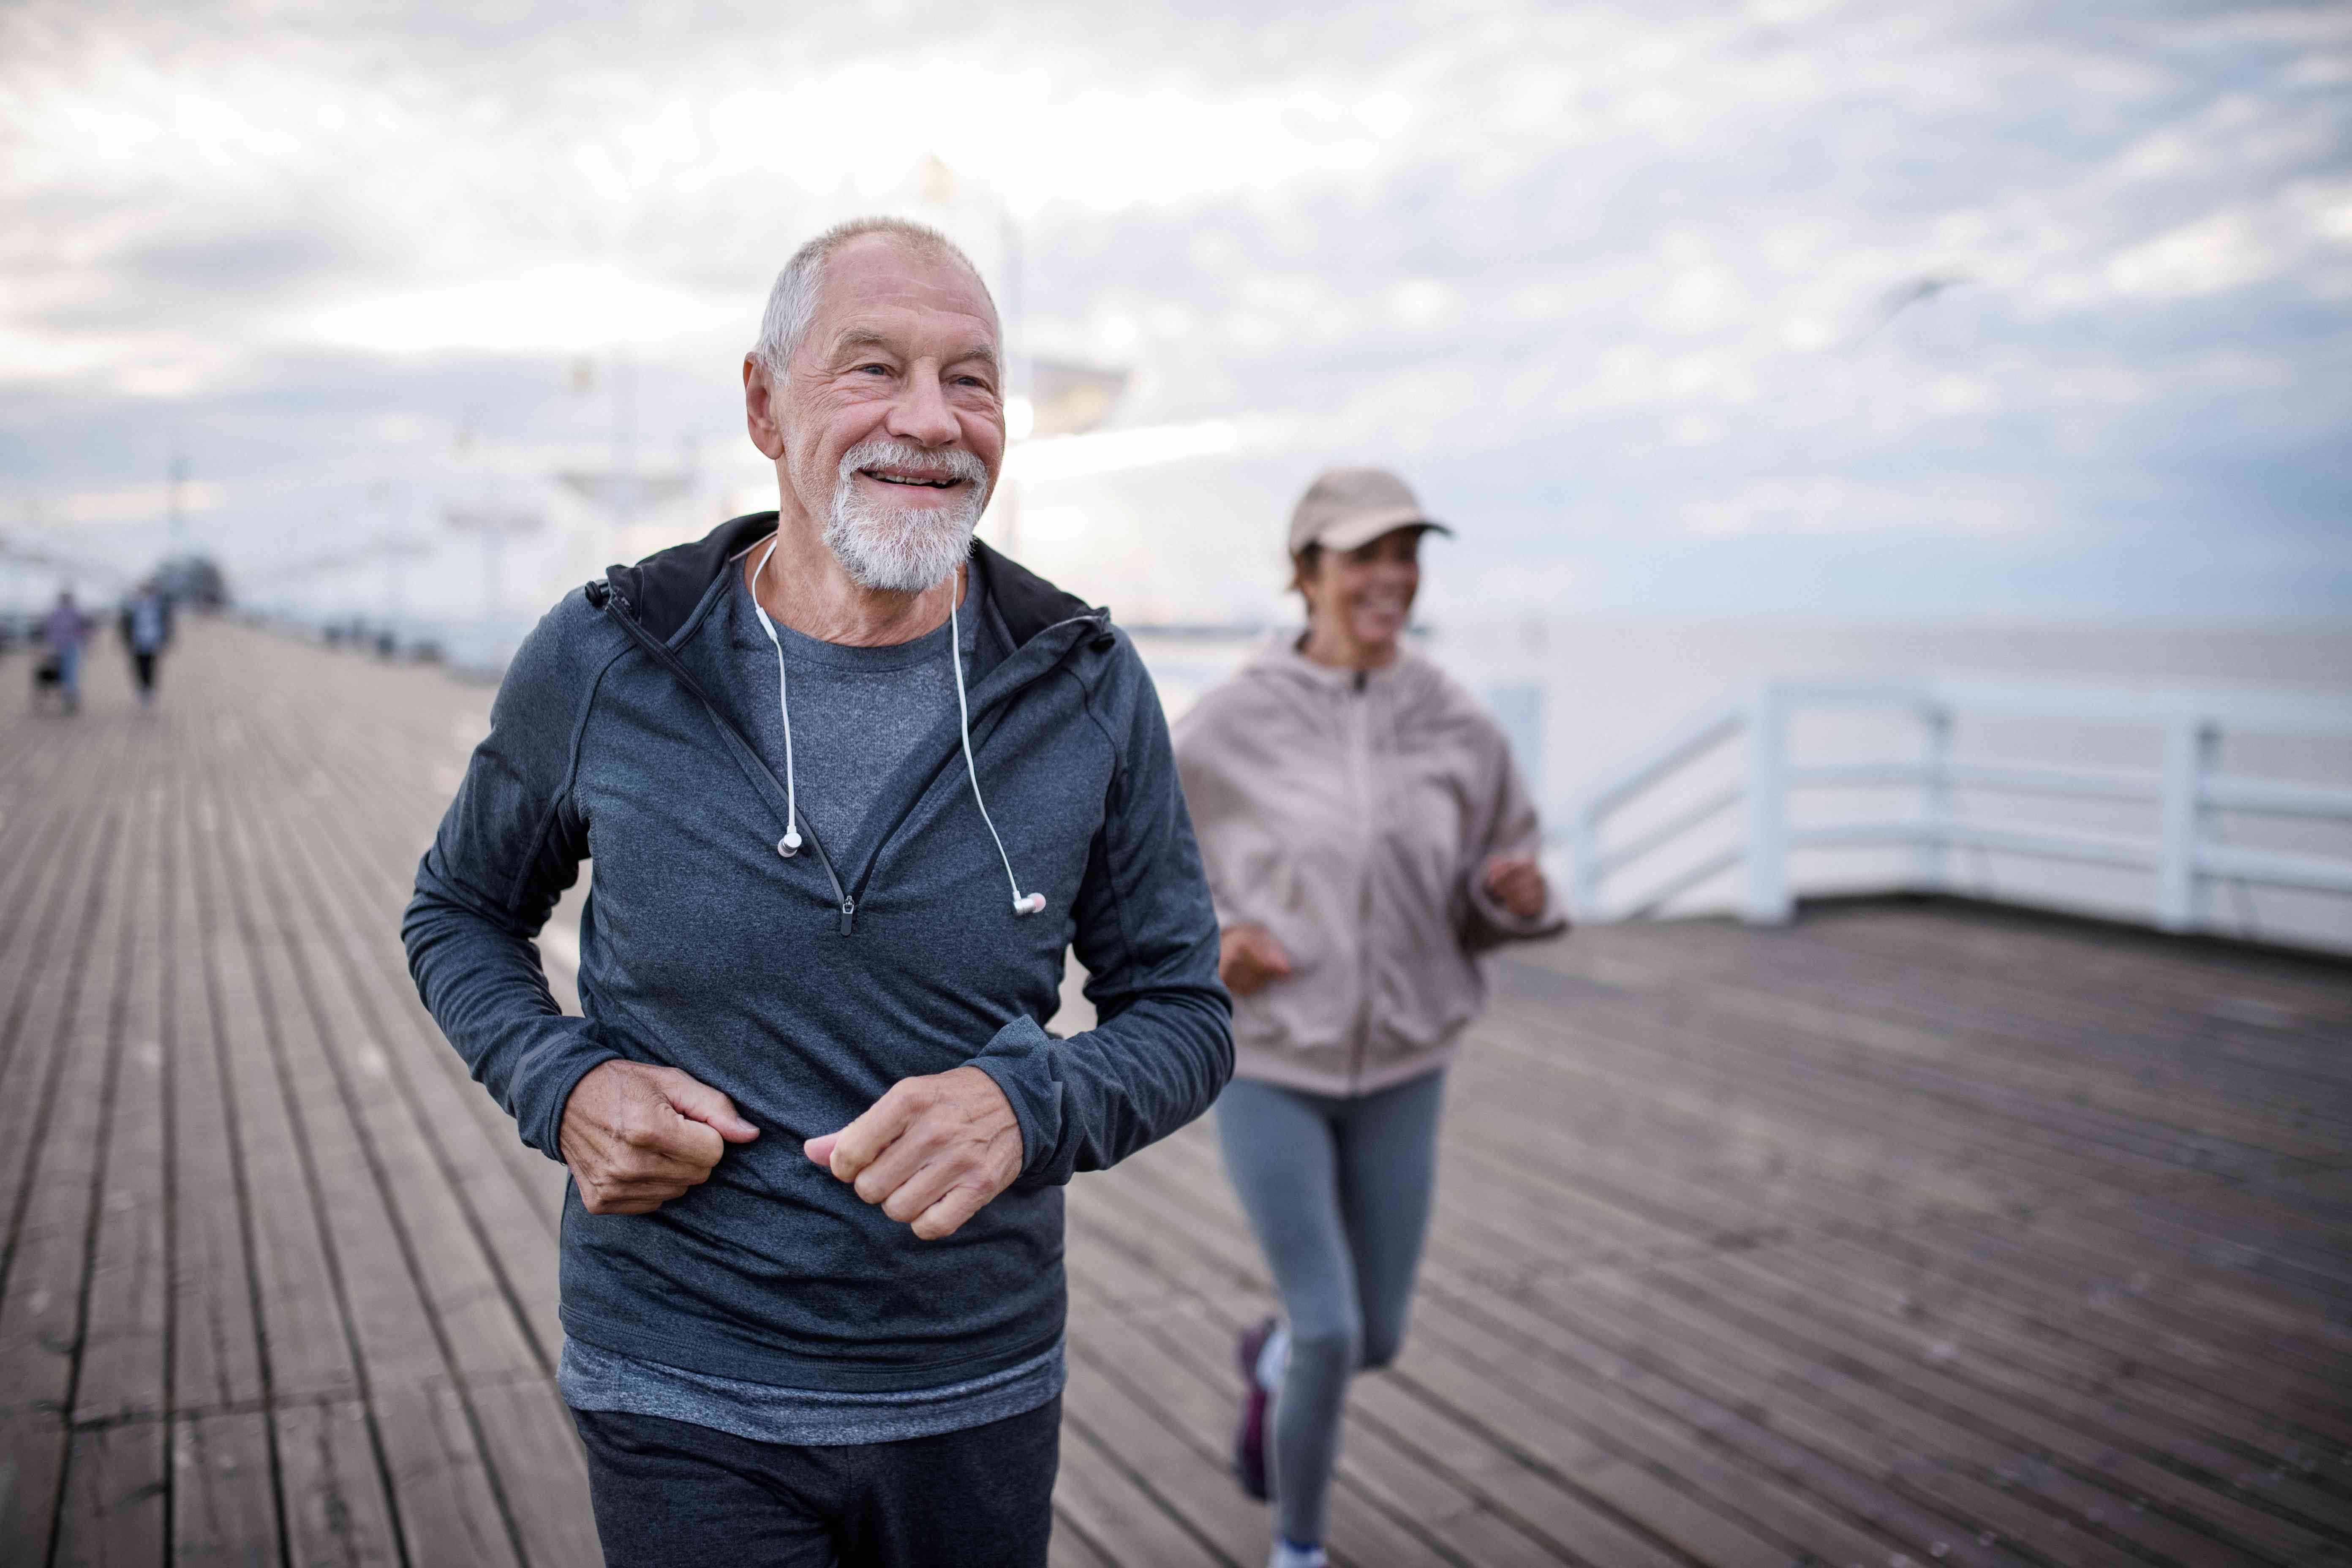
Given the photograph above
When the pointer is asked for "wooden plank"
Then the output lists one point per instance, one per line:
(1979, 1128)
(1124, 1366)
(1999, 1007)
(1110, 1504)
(1720, 1345)
(60, 1132)
(1947, 1320)
(216, 1358)
(2078, 968)
(2118, 1079)
(1586, 1456)
(450, 1511)
(513, 1236)
(1180, 1348)
(529, 1437)
(122, 1369)
(31, 1470)
(308, 1349)
(223, 1492)
(373, 861)
(1985, 1394)
(115, 1486)
(446, 1500)
(1070, 1547)
(46, 885)
(1184, 1480)
(1570, 1517)
(331, 1482)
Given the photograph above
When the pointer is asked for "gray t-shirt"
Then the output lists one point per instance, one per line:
(858, 713)
(859, 716)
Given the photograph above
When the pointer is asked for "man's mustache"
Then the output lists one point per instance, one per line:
(885, 453)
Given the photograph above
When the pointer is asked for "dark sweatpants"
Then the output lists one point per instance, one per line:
(672, 1495)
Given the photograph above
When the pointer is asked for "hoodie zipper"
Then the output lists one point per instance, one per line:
(949, 761)
(617, 604)
(1359, 761)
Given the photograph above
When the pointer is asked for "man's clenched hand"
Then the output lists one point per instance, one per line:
(932, 1152)
(637, 1136)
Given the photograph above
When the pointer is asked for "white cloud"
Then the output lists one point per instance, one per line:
(562, 307)
(1836, 504)
(1054, 459)
(1619, 264)
(137, 503)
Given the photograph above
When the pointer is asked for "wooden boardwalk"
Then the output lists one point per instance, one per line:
(1908, 1235)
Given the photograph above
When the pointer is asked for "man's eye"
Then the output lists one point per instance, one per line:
(877, 369)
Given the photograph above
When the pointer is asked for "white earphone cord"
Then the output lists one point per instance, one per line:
(789, 845)
(1022, 903)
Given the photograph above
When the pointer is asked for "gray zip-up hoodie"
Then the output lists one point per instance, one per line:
(804, 987)
(1352, 816)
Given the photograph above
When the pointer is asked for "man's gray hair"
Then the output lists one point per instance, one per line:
(791, 303)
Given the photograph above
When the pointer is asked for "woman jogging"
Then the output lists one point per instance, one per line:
(1367, 838)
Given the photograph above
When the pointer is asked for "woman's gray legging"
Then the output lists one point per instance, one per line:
(1338, 1192)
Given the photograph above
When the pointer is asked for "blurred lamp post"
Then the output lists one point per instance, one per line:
(495, 525)
(394, 549)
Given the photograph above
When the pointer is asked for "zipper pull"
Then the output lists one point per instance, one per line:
(848, 914)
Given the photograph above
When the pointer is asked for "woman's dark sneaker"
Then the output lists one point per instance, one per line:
(1249, 1442)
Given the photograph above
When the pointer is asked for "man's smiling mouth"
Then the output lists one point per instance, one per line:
(927, 481)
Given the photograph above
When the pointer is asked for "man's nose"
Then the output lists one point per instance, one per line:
(921, 414)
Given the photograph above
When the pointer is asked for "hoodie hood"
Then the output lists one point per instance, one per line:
(1280, 666)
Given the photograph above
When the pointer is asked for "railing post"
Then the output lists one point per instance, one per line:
(2180, 890)
(1584, 865)
(1768, 901)
(1933, 852)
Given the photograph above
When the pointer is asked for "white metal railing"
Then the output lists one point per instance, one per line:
(2187, 856)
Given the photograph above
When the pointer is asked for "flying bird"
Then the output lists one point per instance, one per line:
(1903, 295)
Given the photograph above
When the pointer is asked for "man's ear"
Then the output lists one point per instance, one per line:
(760, 421)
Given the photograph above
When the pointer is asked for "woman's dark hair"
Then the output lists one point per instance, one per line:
(1305, 564)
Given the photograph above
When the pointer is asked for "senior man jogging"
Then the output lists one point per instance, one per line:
(852, 785)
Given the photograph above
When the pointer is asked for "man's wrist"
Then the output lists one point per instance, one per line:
(553, 1147)
(1009, 1061)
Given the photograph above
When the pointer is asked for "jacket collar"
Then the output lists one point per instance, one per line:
(1279, 658)
(666, 589)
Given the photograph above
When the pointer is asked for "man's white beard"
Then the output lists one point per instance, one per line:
(903, 549)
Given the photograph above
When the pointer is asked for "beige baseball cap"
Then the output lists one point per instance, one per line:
(1348, 506)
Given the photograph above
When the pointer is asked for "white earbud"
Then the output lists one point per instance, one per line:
(1022, 903)
(790, 844)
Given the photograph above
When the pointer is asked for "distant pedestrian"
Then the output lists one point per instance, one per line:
(1367, 838)
(146, 632)
(63, 630)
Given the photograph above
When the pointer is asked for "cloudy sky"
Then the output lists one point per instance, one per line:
(1887, 310)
